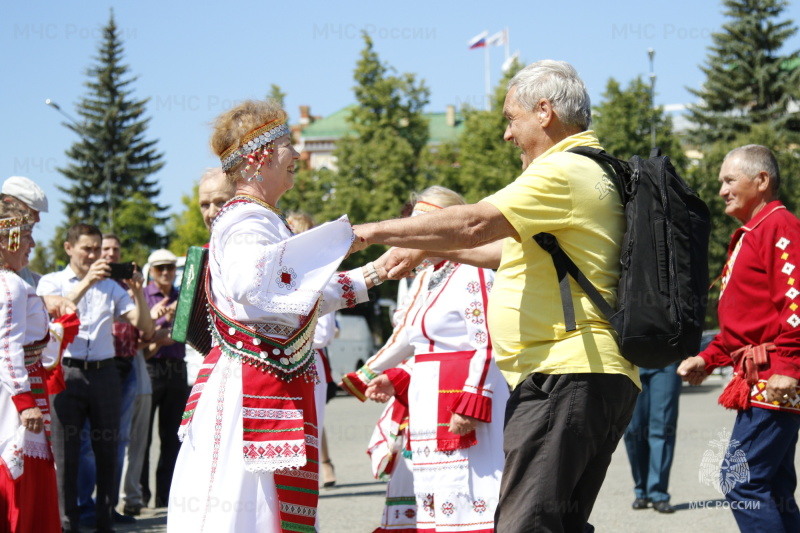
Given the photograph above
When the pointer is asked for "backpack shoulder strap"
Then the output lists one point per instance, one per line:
(564, 265)
(621, 170)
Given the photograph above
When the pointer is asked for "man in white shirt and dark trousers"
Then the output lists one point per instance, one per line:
(92, 381)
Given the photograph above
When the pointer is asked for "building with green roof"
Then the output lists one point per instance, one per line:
(317, 140)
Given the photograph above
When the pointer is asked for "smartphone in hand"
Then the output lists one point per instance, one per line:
(121, 270)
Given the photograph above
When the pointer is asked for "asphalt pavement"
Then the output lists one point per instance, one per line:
(354, 504)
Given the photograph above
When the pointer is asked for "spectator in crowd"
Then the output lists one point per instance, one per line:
(650, 437)
(214, 191)
(29, 193)
(92, 380)
(574, 393)
(167, 369)
(760, 336)
(126, 340)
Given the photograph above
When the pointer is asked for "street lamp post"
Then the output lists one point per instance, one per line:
(106, 167)
(651, 54)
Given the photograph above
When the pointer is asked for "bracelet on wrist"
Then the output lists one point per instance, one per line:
(372, 273)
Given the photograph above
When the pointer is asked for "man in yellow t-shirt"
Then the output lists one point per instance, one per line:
(573, 393)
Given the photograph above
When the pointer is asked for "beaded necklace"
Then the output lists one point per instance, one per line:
(440, 274)
(262, 203)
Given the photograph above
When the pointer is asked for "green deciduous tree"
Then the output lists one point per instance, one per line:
(480, 162)
(187, 228)
(112, 164)
(379, 165)
(748, 79)
(623, 119)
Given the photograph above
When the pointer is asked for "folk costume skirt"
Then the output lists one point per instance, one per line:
(212, 491)
(456, 489)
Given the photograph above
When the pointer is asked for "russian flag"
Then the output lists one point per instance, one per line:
(479, 41)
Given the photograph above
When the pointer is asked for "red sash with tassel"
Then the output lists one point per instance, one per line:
(746, 362)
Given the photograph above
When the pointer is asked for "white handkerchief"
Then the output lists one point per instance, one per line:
(290, 275)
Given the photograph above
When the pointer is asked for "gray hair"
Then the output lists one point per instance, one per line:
(559, 83)
(754, 158)
(440, 196)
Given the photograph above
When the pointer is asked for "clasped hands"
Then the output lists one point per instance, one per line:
(381, 390)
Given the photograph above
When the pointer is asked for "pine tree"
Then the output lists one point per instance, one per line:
(748, 80)
(112, 160)
(622, 123)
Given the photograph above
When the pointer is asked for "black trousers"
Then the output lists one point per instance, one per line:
(560, 432)
(96, 395)
(170, 392)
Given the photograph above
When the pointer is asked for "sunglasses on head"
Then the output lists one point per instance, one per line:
(166, 267)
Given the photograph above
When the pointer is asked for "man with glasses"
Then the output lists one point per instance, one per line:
(167, 368)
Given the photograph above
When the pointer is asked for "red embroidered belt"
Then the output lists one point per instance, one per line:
(33, 351)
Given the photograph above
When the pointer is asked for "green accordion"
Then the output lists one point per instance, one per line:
(191, 324)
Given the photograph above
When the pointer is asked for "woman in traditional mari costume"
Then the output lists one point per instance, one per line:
(249, 459)
(456, 447)
(28, 490)
(323, 336)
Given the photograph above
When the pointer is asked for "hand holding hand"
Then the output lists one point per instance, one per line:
(400, 262)
(693, 370)
(360, 242)
(380, 389)
(462, 424)
(32, 419)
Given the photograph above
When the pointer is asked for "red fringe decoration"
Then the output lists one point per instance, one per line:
(736, 395)
(474, 405)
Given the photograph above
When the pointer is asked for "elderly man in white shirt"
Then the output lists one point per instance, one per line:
(92, 381)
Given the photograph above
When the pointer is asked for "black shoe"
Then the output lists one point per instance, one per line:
(663, 507)
(640, 503)
(123, 519)
(131, 509)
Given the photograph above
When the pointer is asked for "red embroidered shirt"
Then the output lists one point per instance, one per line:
(760, 288)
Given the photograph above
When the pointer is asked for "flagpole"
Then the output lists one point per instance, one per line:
(488, 82)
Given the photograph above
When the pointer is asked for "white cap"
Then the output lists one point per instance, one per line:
(27, 191)
(162, 257)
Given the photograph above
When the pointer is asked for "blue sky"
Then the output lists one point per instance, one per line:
(196, 59)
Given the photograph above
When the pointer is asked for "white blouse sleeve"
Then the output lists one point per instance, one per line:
(13, 319)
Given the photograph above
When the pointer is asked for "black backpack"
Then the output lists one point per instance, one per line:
(662, 293)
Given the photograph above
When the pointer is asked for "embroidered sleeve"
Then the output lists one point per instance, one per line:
(784, 279)
(476, 399)
(13, 314)
(393, 353)
(346, 289)
(396, 349)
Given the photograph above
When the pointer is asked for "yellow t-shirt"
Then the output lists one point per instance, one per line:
(572, 197)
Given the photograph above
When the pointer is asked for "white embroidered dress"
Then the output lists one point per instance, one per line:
(212, 490)
(456, 484)
(23, 321)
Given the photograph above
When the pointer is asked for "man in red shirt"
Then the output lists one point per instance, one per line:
(760, 336)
